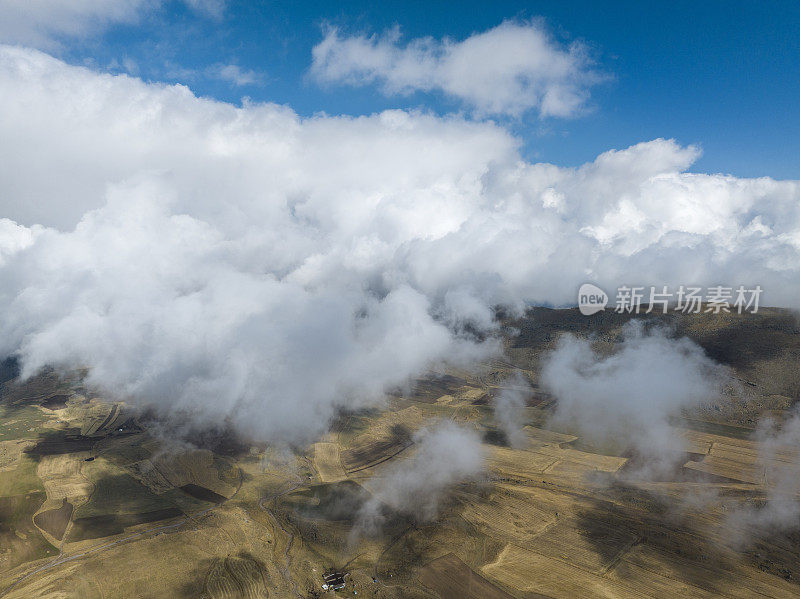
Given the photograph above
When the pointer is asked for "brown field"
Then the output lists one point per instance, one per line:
(532, 572)
(508, 462)
(508, 516)
(20, 540)
(328, 463)
(63, 479)
(198, 467)
(373, 453)
(732, 470)
(152, 476)
(430, 388)
(451, 578)
(236, 577)
(54, 522)
(559, 518)
(11, 453)
(388, 436)
(592, 549)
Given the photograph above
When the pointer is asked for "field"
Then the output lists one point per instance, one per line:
(54, 521)
(93, 504)
(328, 463)
(451, 578)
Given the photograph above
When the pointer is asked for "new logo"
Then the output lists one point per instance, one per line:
(591, 299)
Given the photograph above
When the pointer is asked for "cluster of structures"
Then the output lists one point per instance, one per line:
(334, 581)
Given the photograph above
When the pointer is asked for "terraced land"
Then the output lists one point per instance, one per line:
(95, 504)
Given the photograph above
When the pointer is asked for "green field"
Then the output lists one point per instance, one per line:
(21, 422)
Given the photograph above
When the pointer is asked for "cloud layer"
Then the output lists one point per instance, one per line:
(246, 264)
(507, 70)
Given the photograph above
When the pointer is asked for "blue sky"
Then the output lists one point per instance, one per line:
(721, 75)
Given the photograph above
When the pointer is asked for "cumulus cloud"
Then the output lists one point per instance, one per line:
(446, 455)
(244, 264)
(508, 70)
(170, 312)
(45, 23)
(626, 399)
(14, 237)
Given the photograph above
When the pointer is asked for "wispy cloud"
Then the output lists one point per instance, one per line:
(230, 73)
(212, 8)
(234, 74)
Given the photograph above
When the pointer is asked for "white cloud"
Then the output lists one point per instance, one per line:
(626, 399)
(779, 511)
(233, 74)
(510, 69)
(445, 455)
(14, 237)
(45, 23)
(212, 8)
(41, 22)
(249, 265)
(509, 409)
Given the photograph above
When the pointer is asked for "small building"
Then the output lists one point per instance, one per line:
(333, 580)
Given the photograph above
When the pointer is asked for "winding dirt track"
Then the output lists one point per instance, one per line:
(286, 568)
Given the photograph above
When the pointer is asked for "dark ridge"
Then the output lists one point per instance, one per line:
(9, 369)
(742, 341)
(201, 493)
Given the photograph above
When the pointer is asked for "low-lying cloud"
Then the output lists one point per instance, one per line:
(625, 400)
(778, 512)
(446, 454)
(509, 409)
